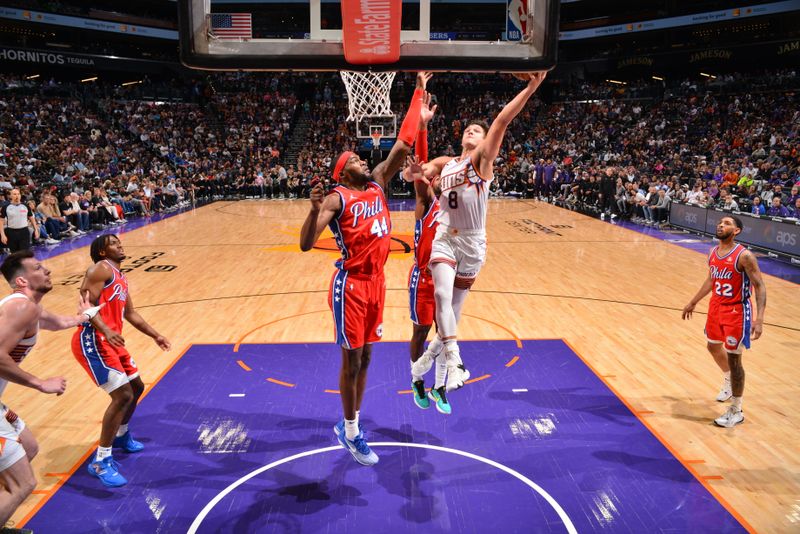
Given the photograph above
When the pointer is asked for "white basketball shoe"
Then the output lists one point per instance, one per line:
(457, 374)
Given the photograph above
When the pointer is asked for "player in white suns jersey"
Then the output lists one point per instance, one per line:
(459, 247)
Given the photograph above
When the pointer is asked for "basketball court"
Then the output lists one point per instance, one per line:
(590, 406)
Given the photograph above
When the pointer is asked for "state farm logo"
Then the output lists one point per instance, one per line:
(786, 239)
(690, 218)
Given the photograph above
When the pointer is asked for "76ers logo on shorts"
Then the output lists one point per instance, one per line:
(732, 341)
(379, 330)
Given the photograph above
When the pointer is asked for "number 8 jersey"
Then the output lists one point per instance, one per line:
(464, 196)
(362, 230)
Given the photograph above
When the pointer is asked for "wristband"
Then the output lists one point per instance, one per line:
(90, 313)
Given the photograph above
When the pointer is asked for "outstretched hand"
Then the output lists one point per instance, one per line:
(534, 79)
(413, 171)
(422, 79)
(426, 112)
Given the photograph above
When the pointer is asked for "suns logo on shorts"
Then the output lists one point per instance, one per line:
(379, 330)
(731, 340)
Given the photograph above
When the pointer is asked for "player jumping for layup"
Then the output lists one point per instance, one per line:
(731, 270)
(459, 248)
(359, 219)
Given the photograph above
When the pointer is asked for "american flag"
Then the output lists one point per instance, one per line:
(232, 25)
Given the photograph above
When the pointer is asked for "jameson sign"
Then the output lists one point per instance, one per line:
(44, 57)
(32, 56)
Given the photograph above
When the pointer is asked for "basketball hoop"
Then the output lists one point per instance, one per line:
(376, 139)
(368, 93)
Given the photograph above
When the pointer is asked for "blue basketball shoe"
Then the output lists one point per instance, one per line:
(420, 397)
(440, 398)
(358, 447)
(127, 443)
(107, 470)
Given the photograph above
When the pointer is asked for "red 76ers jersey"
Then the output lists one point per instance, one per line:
(115, 295)
(362, 229)
(424, 231)
(729, 285)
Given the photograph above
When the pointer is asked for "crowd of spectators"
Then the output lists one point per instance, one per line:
(620, 150)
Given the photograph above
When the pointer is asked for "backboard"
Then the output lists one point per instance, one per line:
(306, 35)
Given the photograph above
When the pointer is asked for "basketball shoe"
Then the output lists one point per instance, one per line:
(107, 470)
(439, 396)
(457, 374)
(420, 398)
(127, 443)
(423, 364)
(730, 418)
(725, 392)
(358, 448)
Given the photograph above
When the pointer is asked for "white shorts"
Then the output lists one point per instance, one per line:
(11, 451)
(464, 251)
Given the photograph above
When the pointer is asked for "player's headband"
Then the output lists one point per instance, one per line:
(340, 163)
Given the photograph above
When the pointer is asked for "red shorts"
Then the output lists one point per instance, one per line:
(357, 305)
(420, 297)
(729, 325)
(108, 366)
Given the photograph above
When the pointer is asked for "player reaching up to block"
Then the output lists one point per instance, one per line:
(358, 216)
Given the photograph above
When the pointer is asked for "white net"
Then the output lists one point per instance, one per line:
(368, 93)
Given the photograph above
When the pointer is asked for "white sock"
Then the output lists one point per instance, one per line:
(122, 430)
(350, 429)
(727, 376)
(414, 378)
(737, 403)
(441, 371)
(102, 453)
(358, 417)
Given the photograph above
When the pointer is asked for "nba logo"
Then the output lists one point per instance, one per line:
(517, 20)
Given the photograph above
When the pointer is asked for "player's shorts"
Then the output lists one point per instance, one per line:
(11, 426)
(420, 296)
(729, 325)
(108, 366)
(357, 305)
(464, 250)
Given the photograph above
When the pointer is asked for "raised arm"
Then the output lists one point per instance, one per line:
(487, 151)
(384, 171)
(749, 264)
(323, 210)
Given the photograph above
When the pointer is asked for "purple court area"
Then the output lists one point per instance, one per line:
(567, 453)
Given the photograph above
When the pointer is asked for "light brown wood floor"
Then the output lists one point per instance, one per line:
(614, 294)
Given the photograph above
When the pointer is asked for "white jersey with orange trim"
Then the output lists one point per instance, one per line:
(463, 197)
(24, 346)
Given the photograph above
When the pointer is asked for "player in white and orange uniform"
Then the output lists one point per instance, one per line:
(732, 269)
(99, 347)
(357, 214)
(459, 248)
(21, 317)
